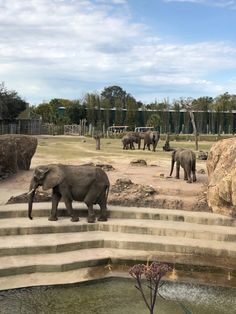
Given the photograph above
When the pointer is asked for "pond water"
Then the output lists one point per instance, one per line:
(117, 296)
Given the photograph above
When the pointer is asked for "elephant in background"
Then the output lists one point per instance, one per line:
(185, 158)
(151, 138)
(129, 139)
(88, 184)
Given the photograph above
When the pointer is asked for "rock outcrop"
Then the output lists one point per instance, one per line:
(221, 167)
(16, 152)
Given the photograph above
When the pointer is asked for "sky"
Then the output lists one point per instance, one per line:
(153, 49)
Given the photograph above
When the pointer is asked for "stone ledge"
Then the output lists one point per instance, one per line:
(43, 209)
(24, 226)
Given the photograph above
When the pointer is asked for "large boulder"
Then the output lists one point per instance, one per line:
(221, 167)
(16, 152)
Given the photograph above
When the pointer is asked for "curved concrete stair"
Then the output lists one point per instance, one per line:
(192, 239)
(170, 228)
(43, 210)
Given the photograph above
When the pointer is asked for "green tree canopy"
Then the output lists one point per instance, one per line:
(76, 112)
(115, 94)
(11, 104)
(202, 103)
(154, 121)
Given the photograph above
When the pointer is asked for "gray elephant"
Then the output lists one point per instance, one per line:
(88, 184)
(151, 138)
(129, 139)
(185, 158)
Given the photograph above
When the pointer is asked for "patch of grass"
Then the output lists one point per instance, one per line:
(61, 148)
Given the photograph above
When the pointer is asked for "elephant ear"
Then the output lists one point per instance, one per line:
(54, 176)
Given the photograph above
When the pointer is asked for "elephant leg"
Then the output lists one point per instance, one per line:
(185, 175)
(189, 175)
(56, 196)
(194, 171)
(148, 145)
(91, 214)
(103, 208)
(177, 169)
(68, 203)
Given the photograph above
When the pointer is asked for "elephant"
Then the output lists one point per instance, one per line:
(151, 138)
(185, 158)
(88, 184)
(129, 139)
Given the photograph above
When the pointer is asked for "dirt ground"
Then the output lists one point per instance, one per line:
(132, 184)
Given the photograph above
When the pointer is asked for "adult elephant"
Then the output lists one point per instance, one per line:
(151, 138)
(80, 183)
(185, 158)
(129, 139)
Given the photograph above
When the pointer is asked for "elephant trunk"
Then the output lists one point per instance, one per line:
(172, 166)
(31, 193)
(30, 203)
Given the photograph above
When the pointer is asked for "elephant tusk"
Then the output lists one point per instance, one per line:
(31, 191)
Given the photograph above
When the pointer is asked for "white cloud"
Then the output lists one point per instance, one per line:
(230, 4)
(58, 48)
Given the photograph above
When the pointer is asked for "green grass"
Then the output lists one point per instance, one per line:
(63, 148)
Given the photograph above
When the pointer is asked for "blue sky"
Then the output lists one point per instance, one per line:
(153, 49)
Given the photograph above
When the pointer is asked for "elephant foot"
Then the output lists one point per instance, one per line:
(194, 179)
(74, 219)
(176, 177)
(102, 218)
(189, 181)
(52, 218)
(91, 219)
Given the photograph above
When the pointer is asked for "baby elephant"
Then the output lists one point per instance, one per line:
(88, 184)
(185, 158)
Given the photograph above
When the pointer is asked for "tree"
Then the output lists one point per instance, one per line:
(113, 94)
(176, 115)
(75, 112)
(11, 104)
(92, 103)
(132, 111)
(118, 113)
(154, 121)
(202, 103)
(187, 104)
(46, 112)
(148, 281)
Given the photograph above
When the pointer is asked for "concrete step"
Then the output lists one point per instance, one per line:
(29, 249)
(62, 242)
(43, 210)
(186, 268)
(66, 261)
(170, 228)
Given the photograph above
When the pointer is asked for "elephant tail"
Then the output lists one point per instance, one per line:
(193, 165)
(107, 188)
(153, 138)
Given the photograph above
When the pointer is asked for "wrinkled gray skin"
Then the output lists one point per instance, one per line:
(151, 138)
(185, 158)
(129, 139)
(86, 184)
